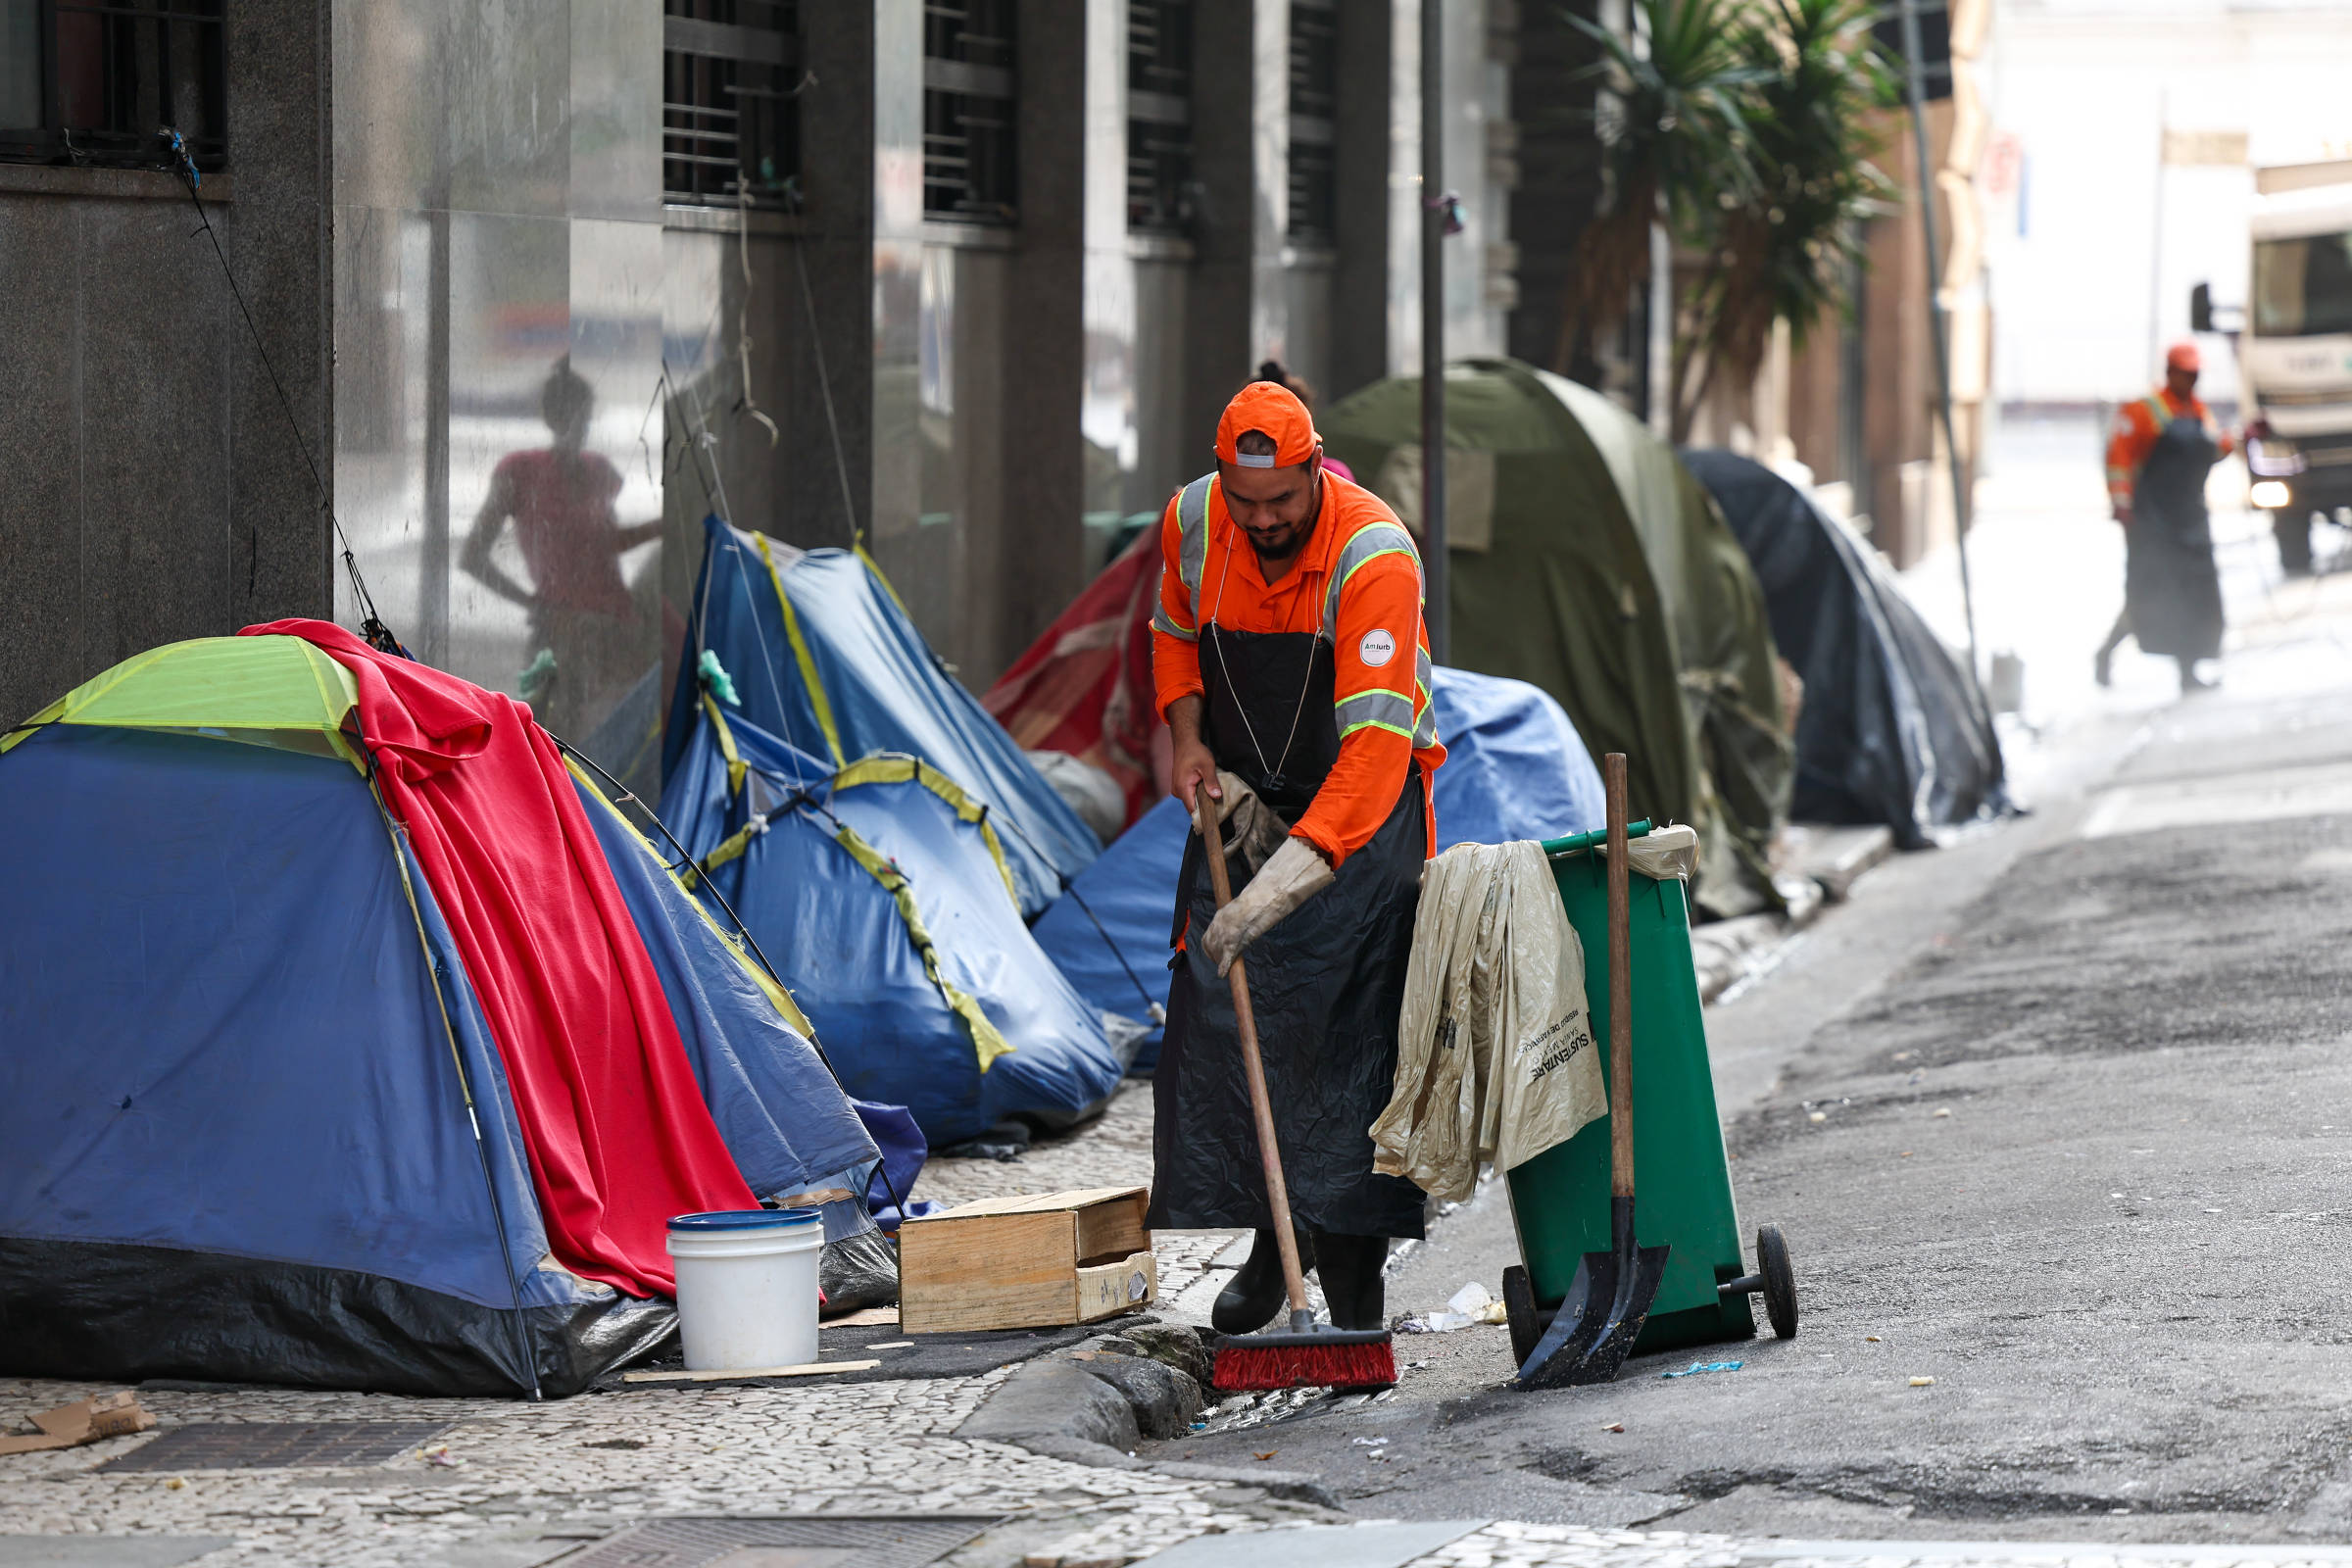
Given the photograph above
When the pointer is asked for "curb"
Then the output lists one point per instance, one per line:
(1092, 1404)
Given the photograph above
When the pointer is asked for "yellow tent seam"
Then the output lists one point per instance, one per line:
(875, 566)
(31, 726)
(988, 1044)
(776, 993)
(802, 656)
(882, 768)
(424, 948)
(736, 765)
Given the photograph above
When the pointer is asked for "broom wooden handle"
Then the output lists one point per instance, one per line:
(1621, 986)
(1278, 1195)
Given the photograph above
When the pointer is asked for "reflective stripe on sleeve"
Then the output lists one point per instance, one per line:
(1374, 710)
(1425, 728)
(1162, 622)
(1367, 544)
(1191, 526)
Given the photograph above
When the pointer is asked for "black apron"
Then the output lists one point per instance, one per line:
(1326, 985)
(2171, 588)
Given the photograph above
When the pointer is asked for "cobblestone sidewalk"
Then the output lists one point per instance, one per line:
(510, 1485)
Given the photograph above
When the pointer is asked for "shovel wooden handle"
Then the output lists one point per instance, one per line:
(1278, 1195)
(1621, 987)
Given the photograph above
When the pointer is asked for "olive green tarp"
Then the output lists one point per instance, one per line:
(1587, 561)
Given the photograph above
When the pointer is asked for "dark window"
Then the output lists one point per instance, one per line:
(731, 111)
(1315, 103)
(93, 81)
(969, 101)
(1160, 116)
(1935, 47)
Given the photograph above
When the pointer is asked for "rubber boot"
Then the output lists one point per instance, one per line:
(1349, 1267)
(1256, 1294)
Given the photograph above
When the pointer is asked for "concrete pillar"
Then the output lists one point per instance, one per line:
(1029, 561)
(1241, 145)
(1365, 279)
(841, 162)
(156, 490)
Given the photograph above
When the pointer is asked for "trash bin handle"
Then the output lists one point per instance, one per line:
(1578, 843)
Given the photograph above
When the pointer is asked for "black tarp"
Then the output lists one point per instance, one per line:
(1891, 730)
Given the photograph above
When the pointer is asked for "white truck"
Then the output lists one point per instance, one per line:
(2294, 350)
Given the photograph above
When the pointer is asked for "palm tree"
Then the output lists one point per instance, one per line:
(1748, 130)
(1674, 141)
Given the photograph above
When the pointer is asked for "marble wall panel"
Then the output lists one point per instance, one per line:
(43, 519)
(156, 489)
(160, 536)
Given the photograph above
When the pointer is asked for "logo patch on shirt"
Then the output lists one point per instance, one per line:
(1377, 648)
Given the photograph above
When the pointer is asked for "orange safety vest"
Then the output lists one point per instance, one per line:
(1356, 587)
(2137, 425)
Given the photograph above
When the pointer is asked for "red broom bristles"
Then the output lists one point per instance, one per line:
(1243, 1368)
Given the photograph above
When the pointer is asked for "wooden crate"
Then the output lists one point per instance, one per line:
(1027, 1263)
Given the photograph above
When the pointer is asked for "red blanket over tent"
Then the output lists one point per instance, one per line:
(618, 1136)
(1085, 686)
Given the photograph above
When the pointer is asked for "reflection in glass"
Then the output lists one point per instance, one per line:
(586, 646)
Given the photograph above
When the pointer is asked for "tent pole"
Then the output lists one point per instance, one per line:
(1434, 212)
(481, 1149)
(1939, 325)
(881, 1166)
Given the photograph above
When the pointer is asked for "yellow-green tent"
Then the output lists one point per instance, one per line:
(1588, 561)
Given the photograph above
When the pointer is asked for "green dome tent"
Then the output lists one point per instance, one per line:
(1587, 561)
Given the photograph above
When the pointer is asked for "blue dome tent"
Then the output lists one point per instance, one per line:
(258, 1128)
(1514, 768)
(887, 899)
(824, 658)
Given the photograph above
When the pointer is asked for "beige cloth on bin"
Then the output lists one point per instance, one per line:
(1495, 1053)
(1665, 851)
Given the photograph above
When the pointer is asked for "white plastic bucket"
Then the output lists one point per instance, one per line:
(746, 1287)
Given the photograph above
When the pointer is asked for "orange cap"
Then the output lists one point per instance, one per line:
(1276, 410)
(2182, 356)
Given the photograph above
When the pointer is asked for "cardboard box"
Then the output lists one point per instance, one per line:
(1027, 1263)
(69, 1425)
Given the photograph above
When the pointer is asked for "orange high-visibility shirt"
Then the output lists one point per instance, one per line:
(2137, 425)
(1381, 692)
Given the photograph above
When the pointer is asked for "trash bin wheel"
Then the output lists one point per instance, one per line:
(1779, 1281)
(1519, 1305)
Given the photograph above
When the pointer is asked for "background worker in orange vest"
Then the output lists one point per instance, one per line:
(2158, 455)
(1292, 666)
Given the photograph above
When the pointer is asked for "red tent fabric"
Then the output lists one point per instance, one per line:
(1085, 687)
(613, 1119)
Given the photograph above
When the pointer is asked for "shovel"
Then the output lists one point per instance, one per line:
(1610, 1299)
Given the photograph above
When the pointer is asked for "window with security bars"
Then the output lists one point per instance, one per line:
(731, 111)
(1160, 116)
(1314, 103)
(90, 83)
(969, 102)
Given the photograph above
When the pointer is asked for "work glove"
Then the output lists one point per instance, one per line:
(1292, 874)
(1254, 830)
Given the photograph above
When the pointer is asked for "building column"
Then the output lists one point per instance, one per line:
(1236, 312)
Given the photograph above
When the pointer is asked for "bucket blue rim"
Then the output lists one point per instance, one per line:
(747, 1220)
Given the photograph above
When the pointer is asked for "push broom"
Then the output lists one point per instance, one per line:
(1302, 1356)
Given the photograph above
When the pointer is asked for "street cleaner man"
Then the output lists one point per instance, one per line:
(2158, 456)
(1294, 671)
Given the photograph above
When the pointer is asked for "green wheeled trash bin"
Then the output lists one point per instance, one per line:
(1561, 1198)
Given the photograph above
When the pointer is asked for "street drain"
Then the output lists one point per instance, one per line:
(788, 1541)
(277, 1445)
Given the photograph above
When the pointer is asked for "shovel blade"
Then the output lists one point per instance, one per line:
(1599, 1319)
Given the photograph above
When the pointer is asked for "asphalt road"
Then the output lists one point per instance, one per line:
(2085, 1103)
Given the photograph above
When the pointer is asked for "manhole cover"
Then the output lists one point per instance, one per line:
(277, 1445)
(790, 1541)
